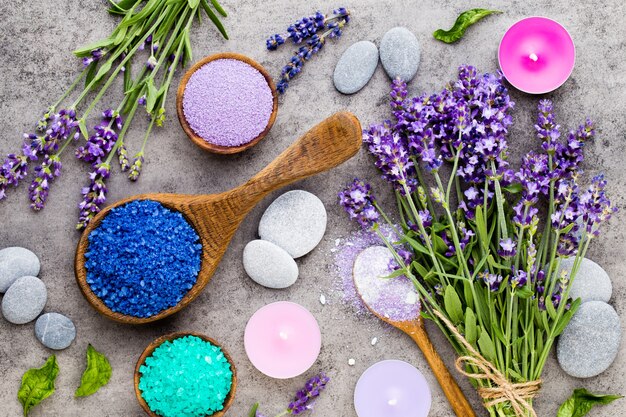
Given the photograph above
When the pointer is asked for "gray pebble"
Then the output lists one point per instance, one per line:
(591, 283)
(400, 54)
(295, 221)
(269, 265)
(590, 342)
(355, 67)
(24, 300)
(55, 331)
(16, 262)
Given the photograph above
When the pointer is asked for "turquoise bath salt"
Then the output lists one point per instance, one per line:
(187, 377)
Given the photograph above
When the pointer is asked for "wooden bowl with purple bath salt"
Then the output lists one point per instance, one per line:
(216, 217)
(226, 103)
(149, 350)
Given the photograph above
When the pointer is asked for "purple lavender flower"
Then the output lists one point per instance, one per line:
(314, 42)
(14, 168)
(122, 157)
(96, 54)
(305, 397)
(102, 141)
(596, 208)
(44, 175)
(358, 201)
(519, 278)
(392, 156)
(507, 248)
(94, 195)
(547, 129)
(135, 169)
(492, 281)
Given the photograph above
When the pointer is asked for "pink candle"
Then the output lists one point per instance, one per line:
(537, 55)
(392, 388)
(282, 339)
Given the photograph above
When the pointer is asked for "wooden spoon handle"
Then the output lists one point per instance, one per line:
(453, 393)
(330, 143)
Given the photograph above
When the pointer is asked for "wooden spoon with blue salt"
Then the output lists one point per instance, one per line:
(216, 217)
(395, 302)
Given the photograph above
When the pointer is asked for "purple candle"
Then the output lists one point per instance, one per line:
(392, 388)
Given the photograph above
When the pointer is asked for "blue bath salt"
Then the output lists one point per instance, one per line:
(187, 377)
(142, 258)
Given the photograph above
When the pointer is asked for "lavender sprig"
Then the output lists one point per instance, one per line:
(303, 400)
(94, 195)
(358, 201)
(314, 43)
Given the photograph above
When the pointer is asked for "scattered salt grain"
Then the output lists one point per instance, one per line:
(228, 102)
(351, 362)
(374, 341)
(323, 299)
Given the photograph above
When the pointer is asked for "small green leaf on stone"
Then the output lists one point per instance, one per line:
(38, 384)
(96, 375)
(465, 20)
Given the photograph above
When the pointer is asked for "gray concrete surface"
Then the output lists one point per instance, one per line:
(35, 43)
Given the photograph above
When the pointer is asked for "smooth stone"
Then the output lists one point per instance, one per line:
(24, 300)
(591, 283)
(355, 67)
(16, 262)
(295, 221)
(590, 342)
(400, 54)
(269, 265)
(55, 331)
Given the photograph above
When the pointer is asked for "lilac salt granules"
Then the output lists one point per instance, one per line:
(346, 253)
(394, 298)
(228, 102)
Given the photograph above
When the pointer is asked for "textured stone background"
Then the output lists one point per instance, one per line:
(36, 39)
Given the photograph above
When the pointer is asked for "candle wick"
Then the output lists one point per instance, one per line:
(533, 56)
(284, 335)
(393, 401)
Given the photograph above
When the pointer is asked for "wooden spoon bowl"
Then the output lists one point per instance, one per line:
(201, 142)
(170, 337)
(216, 217)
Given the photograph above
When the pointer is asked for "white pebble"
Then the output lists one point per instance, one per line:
(323, 299)
(374, 341)
(351, 361)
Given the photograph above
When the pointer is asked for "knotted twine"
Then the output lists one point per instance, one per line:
(503, 390)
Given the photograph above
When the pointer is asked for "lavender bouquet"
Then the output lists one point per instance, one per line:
(154, 33)
(484, 260)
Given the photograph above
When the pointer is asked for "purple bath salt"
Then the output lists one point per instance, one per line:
(227, 102)
(394, 298)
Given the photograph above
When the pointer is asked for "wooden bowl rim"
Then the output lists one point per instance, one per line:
(177, 335)
(80, 271)
(199, 141)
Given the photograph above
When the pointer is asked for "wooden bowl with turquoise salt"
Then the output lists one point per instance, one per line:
(218, 117)
(171, 337)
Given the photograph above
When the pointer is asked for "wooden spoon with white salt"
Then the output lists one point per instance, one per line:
(395, 302)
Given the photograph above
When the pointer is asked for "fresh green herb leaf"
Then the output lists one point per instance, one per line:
(193, 3)
(252, 412)
(82, 126)
(96, 375)
(453, 305)
(214, 18)
(471, 331)
(219, 8)
(487, 348)
(38, 384)
(582, 401)
(465, 20)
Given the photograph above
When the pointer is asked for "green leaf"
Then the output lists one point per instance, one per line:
(421, 270)
(82, 125)
(467, 293)
(96, 375)
(394, 274)
(122, 6)
(151, 95)
(524, 292)
(582, 401)
(38, 384)
(252, 412)
(439, 227)
(104, 69)
(193, 3)
(487, 348)
(128, 78)
(219, 8)
(465, 20)
(91, 73)
(471, 331)
(514, 188)
(416, 245)
(453, 305)
(214, 18)
(498, 265)
(86, 50)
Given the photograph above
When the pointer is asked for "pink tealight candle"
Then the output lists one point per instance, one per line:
(392, 388)
(283, 339)
(537, 55)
